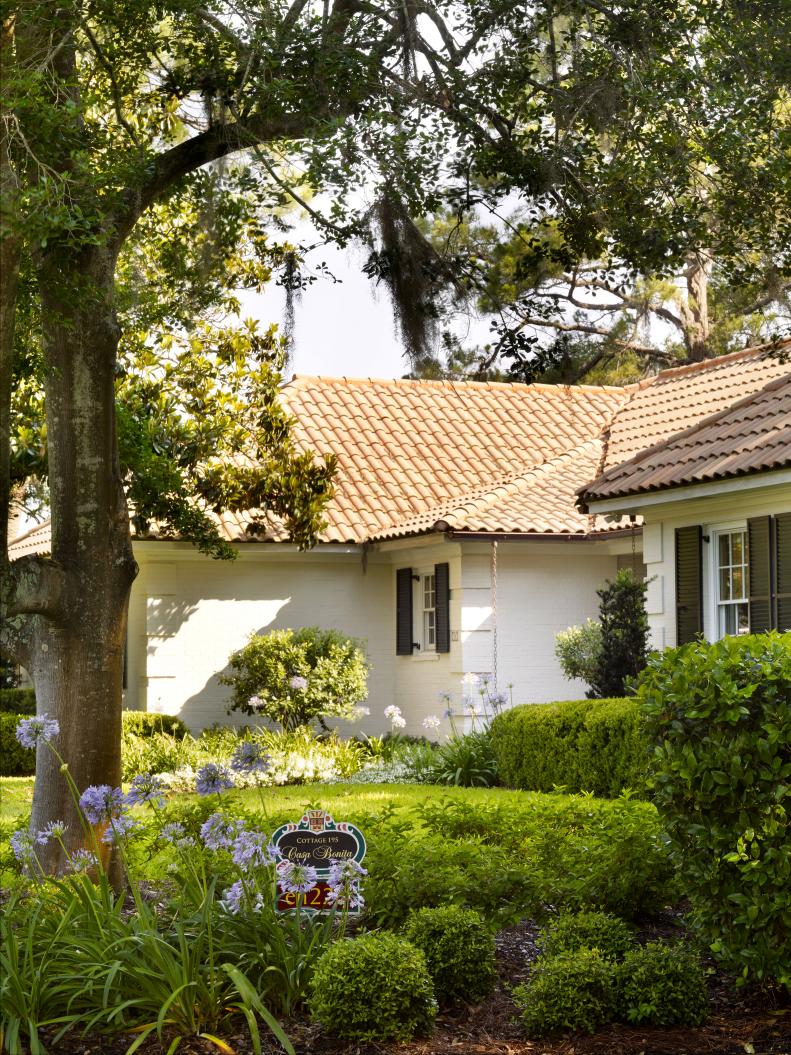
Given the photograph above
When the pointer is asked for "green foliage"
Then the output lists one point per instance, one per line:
(624, 635)
(374, 987)
(333, 666)
(459, 951)
(662, 985)
(718, 718)
(147, 723)
(573, 852)
(18, 701)
(466, 760)
(588, 930)
(570, 991)
(581, 745)
(578, 650)
(15, 760)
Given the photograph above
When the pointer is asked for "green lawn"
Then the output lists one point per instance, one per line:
(16, 794)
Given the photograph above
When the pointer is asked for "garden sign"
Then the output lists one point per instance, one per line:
(317, 840)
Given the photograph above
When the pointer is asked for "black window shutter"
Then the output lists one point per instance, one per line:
(689, 584)
(783, 571)
(404, 612)
(762, 614)
(442, 606)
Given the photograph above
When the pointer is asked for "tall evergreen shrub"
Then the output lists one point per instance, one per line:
(624, 635)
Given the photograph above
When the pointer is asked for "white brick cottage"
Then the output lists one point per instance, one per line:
(454, 541)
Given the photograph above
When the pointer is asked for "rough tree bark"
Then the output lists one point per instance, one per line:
(697, 330)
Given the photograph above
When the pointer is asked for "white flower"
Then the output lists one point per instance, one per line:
(361, 712)
(431, 722)
(392, 712)
(397, 721)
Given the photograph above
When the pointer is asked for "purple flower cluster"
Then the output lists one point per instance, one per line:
(212, 779)
(23, 846)
(249, 757)
(251, 850)
(82, 860)
(146, 787)
(119, 828)
(233, 899)
(54, 830)
(219, 832)
(294, 878)
(101, 803)
(172, 832)
(343, 879)
(31, 732)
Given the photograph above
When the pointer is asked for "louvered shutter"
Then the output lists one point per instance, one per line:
(783, 571)
(404, 612)
(689, 584)
(760, 535)
(442, 606)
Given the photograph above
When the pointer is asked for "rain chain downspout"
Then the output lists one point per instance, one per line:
(494, 614)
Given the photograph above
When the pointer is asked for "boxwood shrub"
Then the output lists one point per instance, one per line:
(662, 985)
(719, 721)
(373, 987)
(588, 930)
(15, 760)
(147, 723)
(459, 951)
(18, 701)
(570, 991)
(583, 745)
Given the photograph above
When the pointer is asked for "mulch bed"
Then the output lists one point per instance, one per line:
(742, 1022)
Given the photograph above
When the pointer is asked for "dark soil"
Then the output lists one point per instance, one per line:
(742, 1022)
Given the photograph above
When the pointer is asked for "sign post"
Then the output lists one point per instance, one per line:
(316, 840)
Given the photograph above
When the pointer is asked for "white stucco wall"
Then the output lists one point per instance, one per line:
(729, 509)
(188, 613)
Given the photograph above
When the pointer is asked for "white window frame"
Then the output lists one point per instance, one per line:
(426, 646)
(712, 565)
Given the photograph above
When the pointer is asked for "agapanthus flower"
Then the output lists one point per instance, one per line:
(349, 897)
(448, 713)
(219, 832)
(100, 802)
(500, 699)
(54, 830)
(171, 832)
(294, 878)
(431, 722)
(255, 702)
(233, 897)
(250, 757)
(298, 683)
(82, 860)
(343, 872)
(392, 711)
(251, 850)
(484, 680)
(118, 828)
(212, 778)
(361, 712)
(23, 845)
(31, 732)
(146, 787)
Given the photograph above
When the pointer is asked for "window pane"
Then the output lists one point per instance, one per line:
(743, 618)
(738, 582)
(737, 547)
(724, 550)
(725, 584)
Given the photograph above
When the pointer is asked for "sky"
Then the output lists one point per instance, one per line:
(342, 329)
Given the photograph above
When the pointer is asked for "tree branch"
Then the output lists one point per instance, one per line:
(597, 331)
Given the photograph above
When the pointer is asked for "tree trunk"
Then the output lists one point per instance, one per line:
(76, 654)
(697, 329)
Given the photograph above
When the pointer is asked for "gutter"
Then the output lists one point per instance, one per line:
(540, 536)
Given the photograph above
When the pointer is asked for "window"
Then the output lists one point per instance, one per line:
(428, 586)
(731, 583)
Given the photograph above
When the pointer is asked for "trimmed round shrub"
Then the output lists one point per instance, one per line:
(588, 930)
(298, 677)
(662, 985)
(373, 987)
(15, 760)
(718, 717)
(570, 991)
(459, 951)
(581, 745)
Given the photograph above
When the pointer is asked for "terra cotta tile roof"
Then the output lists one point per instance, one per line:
(753, 435)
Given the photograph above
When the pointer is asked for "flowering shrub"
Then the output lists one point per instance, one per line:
(578, 650)
(297, 677)
(459, 951)
(373, 987)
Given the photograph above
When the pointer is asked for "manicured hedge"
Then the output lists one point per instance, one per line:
(584, 745)
(15, 760)
(18, 701)
(146, 723)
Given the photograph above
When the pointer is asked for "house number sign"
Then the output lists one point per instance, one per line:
(316, 840)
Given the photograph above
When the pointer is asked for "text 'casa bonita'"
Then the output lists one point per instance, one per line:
(317, 839)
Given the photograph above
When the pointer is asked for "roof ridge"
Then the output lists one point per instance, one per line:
(718, 360)
(711, 419)
(452, 384)
(29, 532)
